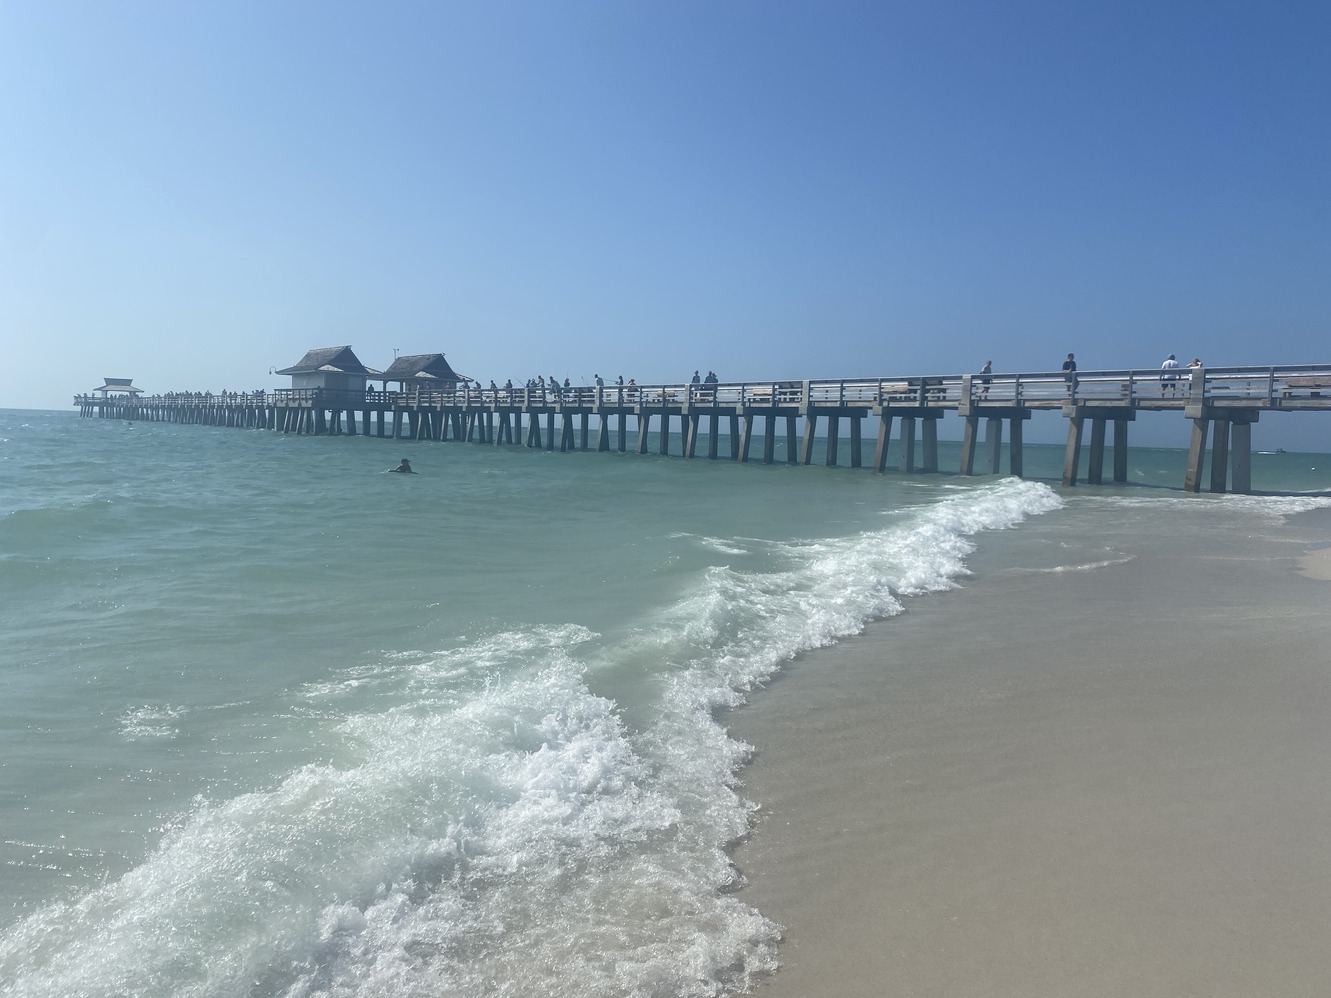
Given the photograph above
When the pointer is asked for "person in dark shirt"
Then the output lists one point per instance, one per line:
(1070, 372)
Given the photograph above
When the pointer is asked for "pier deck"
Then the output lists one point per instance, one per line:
(1221, 403)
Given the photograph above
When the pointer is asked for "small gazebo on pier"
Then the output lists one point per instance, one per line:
(117, 386)
(424, 372)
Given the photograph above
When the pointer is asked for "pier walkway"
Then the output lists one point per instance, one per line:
(1221, 403)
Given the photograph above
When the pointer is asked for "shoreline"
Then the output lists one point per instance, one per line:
(1128, 800)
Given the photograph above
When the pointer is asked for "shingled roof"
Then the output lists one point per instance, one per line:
(422, 367)
(125, 385)
(329, 359)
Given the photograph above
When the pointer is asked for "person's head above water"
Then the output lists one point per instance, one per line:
(405, 466)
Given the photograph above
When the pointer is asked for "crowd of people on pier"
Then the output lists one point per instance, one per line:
(1170, 374)
(552, 389)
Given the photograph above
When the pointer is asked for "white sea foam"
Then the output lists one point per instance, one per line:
(152, 720)
(723, 545)
(1278, 506)
(1087, 566)
(494, 826)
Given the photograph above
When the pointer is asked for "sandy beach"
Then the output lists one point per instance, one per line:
(1098, 783)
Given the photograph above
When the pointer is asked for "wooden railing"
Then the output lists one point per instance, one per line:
(1268, 386)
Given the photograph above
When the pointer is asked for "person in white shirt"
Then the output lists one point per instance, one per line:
(1169, 376)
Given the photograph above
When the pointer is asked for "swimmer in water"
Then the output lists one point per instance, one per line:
(404, 467)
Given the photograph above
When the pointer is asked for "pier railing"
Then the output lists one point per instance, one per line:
(1223, 401)
(1303, 386)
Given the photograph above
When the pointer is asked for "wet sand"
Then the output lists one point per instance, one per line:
(1103, 783)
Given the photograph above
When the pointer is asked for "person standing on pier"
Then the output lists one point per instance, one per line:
(1070, 373)
(986, 378)
(1169, 376)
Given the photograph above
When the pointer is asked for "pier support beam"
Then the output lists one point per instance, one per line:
(969, 432)
(993, 437)
(1095, 471)
(769, 438)
(1220, 455)
(1077, 413)
(1192, 478)
(929, 433)
(644, 426)
(1231, 448)
(1240, 455)
(993, 442)
(907, 462)
(884, 442)
(810, 427)
(1072, 453)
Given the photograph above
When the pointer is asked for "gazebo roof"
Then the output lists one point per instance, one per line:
(336, 360)
(119, 385)
(422, 367)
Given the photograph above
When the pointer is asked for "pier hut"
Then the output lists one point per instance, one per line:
(423, 372)
(326, 380)
(335, 369)
(117, 386)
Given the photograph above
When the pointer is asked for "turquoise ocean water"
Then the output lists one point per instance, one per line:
(277, 722)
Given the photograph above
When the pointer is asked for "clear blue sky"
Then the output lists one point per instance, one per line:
(193, 193)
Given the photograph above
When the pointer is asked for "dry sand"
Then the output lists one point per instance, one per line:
(995, 795)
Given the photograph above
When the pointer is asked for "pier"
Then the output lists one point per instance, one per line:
(1220, 405)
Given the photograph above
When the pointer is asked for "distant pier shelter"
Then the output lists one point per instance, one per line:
(1221, 404)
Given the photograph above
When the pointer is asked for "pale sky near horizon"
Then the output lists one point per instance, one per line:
(192, 194)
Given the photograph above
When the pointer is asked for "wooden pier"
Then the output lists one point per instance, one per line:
(1220, 403)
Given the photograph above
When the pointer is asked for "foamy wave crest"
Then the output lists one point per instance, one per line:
(748, 623)
(512, 841)
(738, 628)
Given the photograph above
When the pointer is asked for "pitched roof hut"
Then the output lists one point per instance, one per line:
(117, 386)
(337, 368)
(423, 370)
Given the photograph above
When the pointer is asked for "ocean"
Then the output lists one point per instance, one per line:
(278, 722)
